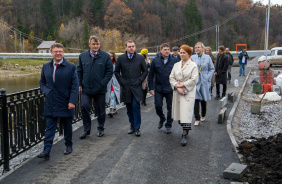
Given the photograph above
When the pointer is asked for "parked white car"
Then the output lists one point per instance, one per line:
(275, 56)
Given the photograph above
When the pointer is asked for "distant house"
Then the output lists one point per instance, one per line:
(44, 47)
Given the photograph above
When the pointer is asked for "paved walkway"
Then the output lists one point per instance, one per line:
(155, 157)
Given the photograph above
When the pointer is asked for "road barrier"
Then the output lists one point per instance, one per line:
(22, 122)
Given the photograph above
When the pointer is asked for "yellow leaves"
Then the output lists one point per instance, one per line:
(111, 39)
(62, 27)
(12, 37)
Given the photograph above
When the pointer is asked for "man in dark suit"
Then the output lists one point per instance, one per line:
(59, 84)
(131, 70)
(160, 70)
(94, 70)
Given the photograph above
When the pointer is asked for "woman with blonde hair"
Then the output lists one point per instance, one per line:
(183, 79)
(206, 71)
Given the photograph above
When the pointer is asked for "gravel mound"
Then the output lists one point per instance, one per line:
(264, 158)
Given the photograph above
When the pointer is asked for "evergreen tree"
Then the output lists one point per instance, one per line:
(99, 13)
(193, 19)
(19, 24)
(77, 7)
(49, 18)
(85, 34)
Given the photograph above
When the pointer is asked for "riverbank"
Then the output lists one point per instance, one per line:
(23, 67)
(20, 67)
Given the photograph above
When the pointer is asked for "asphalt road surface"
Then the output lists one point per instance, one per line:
(154, 157)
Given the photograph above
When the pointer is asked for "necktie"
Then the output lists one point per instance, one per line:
(57, 65)
(131, 55)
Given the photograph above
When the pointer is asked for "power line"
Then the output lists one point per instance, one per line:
(207, 29)
(20, 32)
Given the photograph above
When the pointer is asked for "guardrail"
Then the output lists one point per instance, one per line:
(5, 56)
(22, 122)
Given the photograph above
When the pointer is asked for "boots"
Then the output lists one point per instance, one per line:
(183, 140)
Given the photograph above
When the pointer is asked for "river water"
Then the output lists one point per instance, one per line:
(17, 84)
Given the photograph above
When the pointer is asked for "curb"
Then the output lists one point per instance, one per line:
(231, 116)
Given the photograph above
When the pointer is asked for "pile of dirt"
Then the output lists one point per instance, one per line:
(264, 159)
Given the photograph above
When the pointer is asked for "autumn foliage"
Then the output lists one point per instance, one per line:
(118, 16)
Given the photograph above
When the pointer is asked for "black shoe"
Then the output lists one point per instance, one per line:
(111, 114)
(217, 97)
(223, 95)
(161, 123)
(144, 103)
(44, 155)
(83, 135)
(137, 133)
(183, 140)
(68, 150)
(131, 131)
(100, 133)
(168, 131)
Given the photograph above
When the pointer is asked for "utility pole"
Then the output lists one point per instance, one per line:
(23, 45)
(21, 42)
(15, 41)
(217, 37)
(268, 17)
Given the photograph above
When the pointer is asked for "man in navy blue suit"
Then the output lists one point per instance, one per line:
(159, 71)
(59, 84)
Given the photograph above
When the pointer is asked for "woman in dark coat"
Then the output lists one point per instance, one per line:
(221, 68)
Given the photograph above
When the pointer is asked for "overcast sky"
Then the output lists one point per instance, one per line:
(271, 1)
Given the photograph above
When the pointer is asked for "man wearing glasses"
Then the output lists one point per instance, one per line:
(59, 84)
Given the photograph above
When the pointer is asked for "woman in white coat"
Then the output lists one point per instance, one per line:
(183, 79)
(206, 71)
(113, 88)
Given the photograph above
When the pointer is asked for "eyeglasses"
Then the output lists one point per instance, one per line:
(57, 52)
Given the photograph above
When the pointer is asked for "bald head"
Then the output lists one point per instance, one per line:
(227, 50)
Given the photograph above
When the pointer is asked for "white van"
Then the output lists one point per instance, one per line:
(275, 56)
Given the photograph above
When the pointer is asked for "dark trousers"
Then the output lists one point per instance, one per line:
(99, 100)
(218, 89)
(134, 114)
(159, 107)
(229, 72)
(145, 91)
(51, 125)
(197, 109)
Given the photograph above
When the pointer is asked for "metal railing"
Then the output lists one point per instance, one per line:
(22, 122)
(4, 56)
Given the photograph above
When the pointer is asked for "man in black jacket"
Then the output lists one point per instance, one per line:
(221, 68)
(230, 63)
(130, 71)
(94, 70)
(160, 70)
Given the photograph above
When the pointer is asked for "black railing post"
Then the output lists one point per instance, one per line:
(5, 133)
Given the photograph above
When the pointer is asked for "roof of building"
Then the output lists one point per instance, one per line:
(46, 45)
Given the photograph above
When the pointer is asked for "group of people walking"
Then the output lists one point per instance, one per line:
(185, 81)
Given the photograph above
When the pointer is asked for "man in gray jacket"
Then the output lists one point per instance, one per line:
(94, 70)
